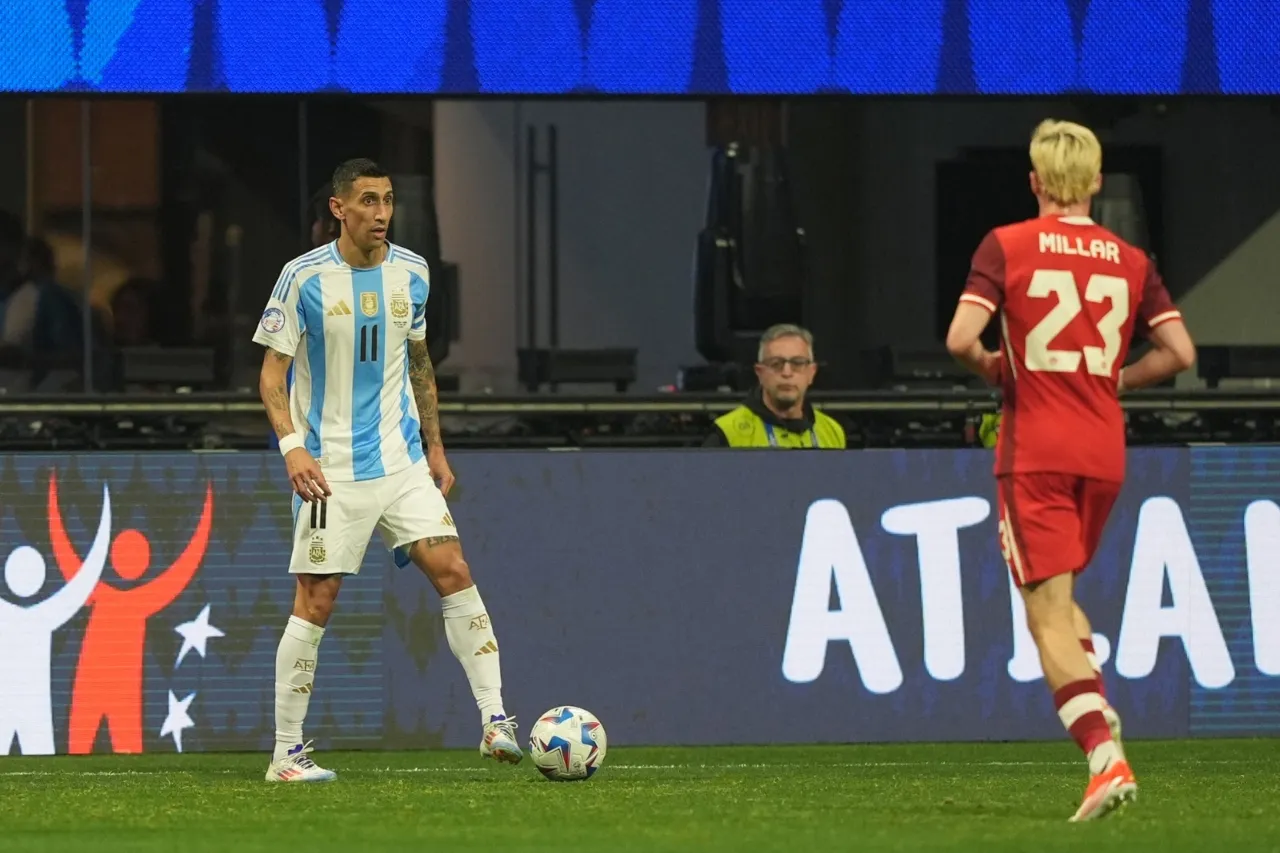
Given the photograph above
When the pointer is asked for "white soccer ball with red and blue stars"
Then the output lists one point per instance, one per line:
(567, 744)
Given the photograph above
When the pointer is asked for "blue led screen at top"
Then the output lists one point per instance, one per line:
(654, 47)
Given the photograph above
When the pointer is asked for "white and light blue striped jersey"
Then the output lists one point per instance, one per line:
(348, 331)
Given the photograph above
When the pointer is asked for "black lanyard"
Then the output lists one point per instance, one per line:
(773, 439)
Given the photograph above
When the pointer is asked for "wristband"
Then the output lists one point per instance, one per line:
(290, 442)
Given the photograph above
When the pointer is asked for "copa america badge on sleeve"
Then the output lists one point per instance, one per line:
(272, 320)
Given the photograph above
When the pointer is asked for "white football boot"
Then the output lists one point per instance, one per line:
(297, 766)
(500, 740)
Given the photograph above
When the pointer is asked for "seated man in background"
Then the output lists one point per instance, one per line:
(41, 317)
(132, 321)
(776, 414)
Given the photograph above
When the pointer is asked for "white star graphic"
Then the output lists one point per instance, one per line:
(195, 634)
(178, 718)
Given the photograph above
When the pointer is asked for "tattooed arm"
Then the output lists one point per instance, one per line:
(273, 385)
(304, 472)
(422, 376)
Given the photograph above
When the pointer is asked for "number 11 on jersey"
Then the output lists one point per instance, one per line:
(369, 342)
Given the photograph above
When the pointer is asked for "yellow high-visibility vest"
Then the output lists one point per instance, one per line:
(744, 428)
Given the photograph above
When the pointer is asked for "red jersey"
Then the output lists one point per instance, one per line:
(1071, 295)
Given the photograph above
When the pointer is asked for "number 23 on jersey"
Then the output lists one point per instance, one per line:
(1099, 289)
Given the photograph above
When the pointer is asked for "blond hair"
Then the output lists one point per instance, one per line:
(784, 330)
(1067, 158)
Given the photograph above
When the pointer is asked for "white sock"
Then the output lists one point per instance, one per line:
(295, 673)
(1103, 755)
(470, 635)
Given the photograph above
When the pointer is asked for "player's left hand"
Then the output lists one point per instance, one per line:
(440, 472)
(993, 367)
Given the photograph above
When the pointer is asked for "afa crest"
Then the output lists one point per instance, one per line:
(316, 553)
(369, 304)
(399, 306)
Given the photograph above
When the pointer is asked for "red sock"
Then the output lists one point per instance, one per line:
(1080, 708)
(1087, 645)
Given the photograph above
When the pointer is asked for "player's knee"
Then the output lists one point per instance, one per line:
(314, 601)
(1050, 607)
(452, 575)
(315, 610)
(1047, 617)
(1036, 624)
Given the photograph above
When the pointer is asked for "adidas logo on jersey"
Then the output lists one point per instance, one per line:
(339, 310)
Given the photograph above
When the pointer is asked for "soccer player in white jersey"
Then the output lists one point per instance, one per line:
(350, 317)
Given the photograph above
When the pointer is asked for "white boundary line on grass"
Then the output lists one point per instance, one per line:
(616, 768)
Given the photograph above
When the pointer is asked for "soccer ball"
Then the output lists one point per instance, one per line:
(567, 744)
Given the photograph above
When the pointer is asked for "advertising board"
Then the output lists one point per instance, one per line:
(685, 597)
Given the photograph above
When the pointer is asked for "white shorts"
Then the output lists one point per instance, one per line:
(331, 537)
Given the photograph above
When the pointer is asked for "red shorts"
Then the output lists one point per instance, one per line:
(1050, 524)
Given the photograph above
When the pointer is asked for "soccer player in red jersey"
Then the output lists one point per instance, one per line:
(1070, 295)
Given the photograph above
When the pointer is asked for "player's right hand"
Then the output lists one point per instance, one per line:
(304, 474)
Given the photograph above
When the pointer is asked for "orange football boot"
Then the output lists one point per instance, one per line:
(1107, 791)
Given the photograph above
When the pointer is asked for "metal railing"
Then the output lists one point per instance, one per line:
(848, 402)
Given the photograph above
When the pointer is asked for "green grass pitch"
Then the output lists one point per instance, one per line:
(1210, 795)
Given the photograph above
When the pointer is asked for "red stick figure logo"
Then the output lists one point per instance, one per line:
(108, 685)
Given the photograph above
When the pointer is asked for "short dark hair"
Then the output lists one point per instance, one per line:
(145, 288)
(352, 170)
(39, 257)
